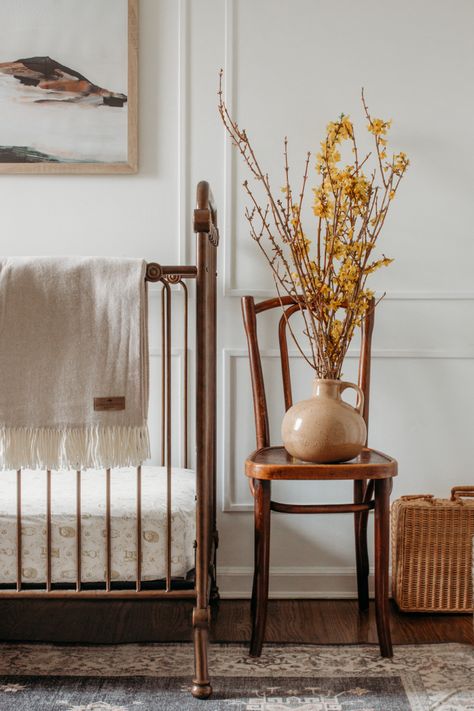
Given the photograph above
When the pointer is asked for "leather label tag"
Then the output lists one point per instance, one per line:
(109, 404)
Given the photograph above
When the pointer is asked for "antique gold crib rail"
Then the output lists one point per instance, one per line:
(198, 586)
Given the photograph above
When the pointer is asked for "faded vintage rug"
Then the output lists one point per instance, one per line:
(149, 677)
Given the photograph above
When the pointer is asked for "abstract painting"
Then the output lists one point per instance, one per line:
(68, 86)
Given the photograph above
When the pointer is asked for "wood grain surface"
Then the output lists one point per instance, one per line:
(292, 621)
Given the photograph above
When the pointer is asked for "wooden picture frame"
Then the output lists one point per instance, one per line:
(42, 89)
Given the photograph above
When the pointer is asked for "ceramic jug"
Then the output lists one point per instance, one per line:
(325, 429)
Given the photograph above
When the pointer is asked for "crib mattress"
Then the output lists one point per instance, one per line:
(123, 525)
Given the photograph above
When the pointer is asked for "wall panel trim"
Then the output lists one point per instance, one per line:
(184, 206)
(289, 582)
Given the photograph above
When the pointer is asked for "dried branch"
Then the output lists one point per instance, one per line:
(328, 284)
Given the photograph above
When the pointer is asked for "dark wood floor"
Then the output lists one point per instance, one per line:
(291, 621)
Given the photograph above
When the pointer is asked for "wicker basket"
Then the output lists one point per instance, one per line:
(431, 552)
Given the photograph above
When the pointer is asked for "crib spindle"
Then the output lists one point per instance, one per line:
(108, 531)
(139, 529)
(163, 374)
(78, 531)
(168, 436)
(48, 531)
(19, 565)
(186, 375)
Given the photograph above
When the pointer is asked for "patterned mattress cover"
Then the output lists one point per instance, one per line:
(123, 525)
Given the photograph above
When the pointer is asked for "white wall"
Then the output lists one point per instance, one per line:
(292, 65)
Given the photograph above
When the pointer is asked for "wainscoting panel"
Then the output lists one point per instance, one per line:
(275, 86)
(277, 82)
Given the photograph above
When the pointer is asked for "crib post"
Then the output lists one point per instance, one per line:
(207, 239)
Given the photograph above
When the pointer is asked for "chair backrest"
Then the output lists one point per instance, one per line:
(250, 310)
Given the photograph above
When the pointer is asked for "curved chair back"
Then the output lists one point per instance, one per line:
(250, 310)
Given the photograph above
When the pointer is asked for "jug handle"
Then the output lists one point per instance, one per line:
(359, 406)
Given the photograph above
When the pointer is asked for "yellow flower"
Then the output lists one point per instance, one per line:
(327, 157)
(378, 126)
(347, 125)
(400, 163)
(354, 187)
(301, 245)
(322, 206)
(345, 129)
(336, 330)
(384, 262)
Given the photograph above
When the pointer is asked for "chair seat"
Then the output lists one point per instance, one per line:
(276, 463)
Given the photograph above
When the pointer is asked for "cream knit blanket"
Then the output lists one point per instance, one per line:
(73, 363)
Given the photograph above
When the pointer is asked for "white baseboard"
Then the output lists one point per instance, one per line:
(293, 582)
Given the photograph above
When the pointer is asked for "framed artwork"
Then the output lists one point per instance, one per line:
(68, 86)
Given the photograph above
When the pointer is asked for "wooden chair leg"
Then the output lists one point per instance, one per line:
(362, 553)
(262, 496)
(253, 601)
(382, 541)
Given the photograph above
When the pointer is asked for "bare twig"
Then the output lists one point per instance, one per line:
(327, 283)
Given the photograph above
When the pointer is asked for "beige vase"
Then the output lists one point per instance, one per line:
(325, 429)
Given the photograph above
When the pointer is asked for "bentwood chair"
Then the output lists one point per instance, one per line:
(372, 473)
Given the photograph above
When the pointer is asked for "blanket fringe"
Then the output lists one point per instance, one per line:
(89, 447)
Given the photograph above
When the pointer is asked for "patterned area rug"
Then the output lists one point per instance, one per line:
(305, 678)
